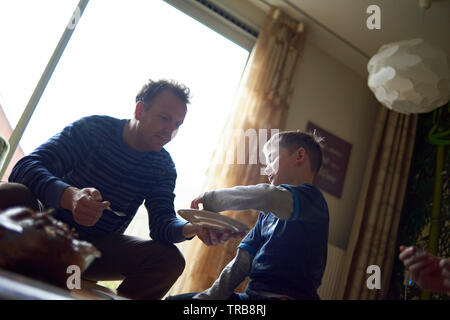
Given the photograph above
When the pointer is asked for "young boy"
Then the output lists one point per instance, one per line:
(285, 253)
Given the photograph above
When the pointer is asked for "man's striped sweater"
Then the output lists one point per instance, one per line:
(91, 152)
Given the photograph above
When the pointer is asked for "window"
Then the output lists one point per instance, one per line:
(29, 32)
(115, 48)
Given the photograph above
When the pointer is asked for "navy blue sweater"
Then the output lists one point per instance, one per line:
(92, 153)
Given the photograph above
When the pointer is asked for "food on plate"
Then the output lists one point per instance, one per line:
(37, 245)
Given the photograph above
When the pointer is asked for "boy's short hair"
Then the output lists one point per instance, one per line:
(293, 140)
(151, 89)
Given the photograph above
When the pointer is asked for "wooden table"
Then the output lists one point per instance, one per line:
(14, 286)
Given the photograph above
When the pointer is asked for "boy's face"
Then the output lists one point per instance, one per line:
(280, 165)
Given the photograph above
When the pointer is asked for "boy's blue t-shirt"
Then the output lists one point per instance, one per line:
(290, 255)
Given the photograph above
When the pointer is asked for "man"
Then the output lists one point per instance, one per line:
(99, 164)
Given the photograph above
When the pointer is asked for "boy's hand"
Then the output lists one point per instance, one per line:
(210, 236)
(197, 201)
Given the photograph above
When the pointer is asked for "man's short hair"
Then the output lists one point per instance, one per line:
(293, 140)
(151, 89)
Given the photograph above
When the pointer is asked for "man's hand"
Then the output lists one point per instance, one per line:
(214, 237)
(86, 205)
(428, 271)
(210, 236)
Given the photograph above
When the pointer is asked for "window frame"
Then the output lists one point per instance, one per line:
(224, 23)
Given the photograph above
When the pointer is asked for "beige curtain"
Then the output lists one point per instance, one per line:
(373, 237)
(262, 103)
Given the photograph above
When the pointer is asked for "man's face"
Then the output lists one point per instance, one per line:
(158, 124)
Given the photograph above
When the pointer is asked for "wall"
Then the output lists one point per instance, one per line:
(5, 131)
(336, 99)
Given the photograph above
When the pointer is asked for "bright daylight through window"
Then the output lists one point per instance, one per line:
(115, 48)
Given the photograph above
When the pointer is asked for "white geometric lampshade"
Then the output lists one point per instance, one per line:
(410, 76)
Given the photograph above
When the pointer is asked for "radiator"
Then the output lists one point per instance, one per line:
(331, 277)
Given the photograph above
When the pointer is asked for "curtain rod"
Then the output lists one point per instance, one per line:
(321, 25)
(229, 17)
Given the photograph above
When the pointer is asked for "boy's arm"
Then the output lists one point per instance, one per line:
(230, 277)
(263, 197)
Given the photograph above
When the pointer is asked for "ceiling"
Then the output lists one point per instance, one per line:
(339, 26)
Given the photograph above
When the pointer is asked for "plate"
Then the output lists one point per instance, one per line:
(212, 220)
